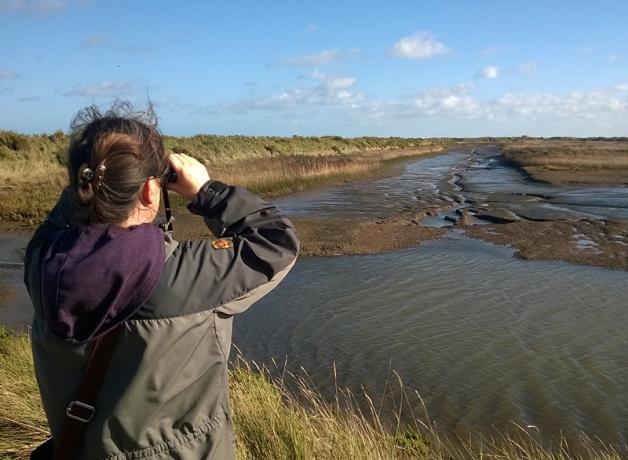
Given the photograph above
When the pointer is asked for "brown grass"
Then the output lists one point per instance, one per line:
(570, 161)
(281, 175)
(568, 155)
(28, 190)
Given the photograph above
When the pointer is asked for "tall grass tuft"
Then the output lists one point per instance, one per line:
(22, 421)
(286, 417)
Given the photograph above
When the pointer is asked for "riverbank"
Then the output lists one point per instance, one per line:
(284, 418)
(33, 174)
(518, 219)
(26, 198)
(334, 236)
(569, 161)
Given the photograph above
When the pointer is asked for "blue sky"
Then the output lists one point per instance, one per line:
(351, 68)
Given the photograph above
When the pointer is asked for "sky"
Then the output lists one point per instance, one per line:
(351, 68)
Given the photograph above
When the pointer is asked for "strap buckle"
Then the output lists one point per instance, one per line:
(80, 411)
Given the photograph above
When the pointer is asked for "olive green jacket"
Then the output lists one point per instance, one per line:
(166, 393)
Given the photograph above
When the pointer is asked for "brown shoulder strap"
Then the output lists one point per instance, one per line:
(79, 412)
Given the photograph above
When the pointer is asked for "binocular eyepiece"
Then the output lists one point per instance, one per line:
(171, 175)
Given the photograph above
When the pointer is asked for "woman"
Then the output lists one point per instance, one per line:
(100, 264)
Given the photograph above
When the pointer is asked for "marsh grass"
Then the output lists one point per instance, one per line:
(568, 155)
(32, 168)
(281, 415)
(22, 420)
(225, 149)
(287, 174)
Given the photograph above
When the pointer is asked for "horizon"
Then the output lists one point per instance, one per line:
(432, 70)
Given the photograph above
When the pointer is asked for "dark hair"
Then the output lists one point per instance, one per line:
(110, 157)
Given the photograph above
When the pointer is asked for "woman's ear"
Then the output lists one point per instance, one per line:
(150, 192)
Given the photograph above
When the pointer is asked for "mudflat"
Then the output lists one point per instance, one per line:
(584, 242)
(488, 183)
(475, 190)
(335, 236)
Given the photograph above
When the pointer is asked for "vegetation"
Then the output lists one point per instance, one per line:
(225, 149)
(570, 160)
(32, 168)
(284, 418)
(22, 419)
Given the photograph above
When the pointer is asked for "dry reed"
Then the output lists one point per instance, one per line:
(568, 155)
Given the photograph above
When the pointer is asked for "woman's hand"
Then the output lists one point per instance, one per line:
(191, 175)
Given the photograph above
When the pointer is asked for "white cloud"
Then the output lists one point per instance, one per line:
(587, 105)
(330, 92)
(102, 89)
(32, 6)
(621, 87)
(336, 98)
(449, 102)
(339, 82)
(6, 74)
(586, 50)
(527, 68)
(490, 72)
(615, 57)
(322, 57)
(420, 45)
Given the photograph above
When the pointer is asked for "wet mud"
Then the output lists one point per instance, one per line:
(584, 242)
(475, 190)
(336, 236)
(471, 189)
(7, 294)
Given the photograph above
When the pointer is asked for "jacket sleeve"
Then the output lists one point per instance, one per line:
(258, 249)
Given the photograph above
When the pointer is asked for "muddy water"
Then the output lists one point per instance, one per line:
(487, 179)
(464, 179)
(15, 310)
(488, 340)
(428, 178)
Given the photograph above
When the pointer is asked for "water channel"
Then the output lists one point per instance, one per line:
(487, 340)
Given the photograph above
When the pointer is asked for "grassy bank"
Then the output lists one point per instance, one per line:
(570, 160)
(273, 421)
(32, 168)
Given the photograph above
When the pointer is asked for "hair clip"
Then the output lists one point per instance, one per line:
(87, 174)
(101, 173)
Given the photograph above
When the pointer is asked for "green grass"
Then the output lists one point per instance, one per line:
(285, 417)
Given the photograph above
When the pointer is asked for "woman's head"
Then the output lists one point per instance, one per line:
(112, 158)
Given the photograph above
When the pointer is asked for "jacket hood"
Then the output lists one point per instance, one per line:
(96, 276)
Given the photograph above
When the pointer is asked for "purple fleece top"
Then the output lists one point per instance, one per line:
(95, 277)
